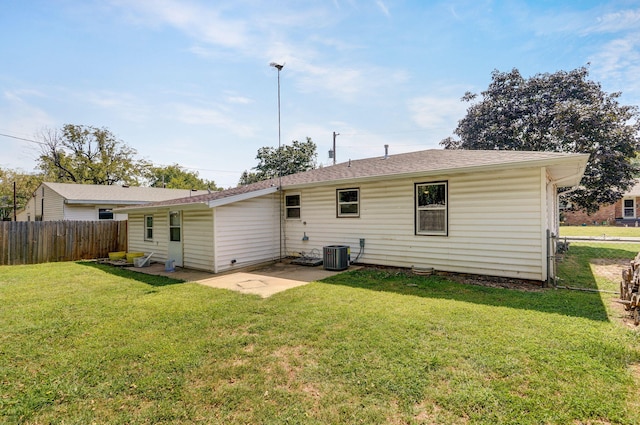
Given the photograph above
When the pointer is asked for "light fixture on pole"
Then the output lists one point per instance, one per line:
(279, 68)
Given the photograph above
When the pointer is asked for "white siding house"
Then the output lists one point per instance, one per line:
(479, 212)
(87, 202)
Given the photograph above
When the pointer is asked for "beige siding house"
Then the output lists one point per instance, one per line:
(479, 212)
(87, 202)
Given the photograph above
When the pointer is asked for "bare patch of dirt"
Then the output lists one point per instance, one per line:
(494, 281)
(471, 279)
(610, 269)
(635, 371)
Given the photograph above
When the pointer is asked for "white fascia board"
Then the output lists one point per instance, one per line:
(102, 202)
(241, 197)
(155, 208)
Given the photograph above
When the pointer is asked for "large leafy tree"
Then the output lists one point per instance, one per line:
(90, 155)
(562, 112)
(176, 177)
(287, 159)
(25, 186)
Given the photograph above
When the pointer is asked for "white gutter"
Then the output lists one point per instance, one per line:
(166, 207)
(106, 202)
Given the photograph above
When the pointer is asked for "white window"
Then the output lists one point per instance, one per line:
(292, 206)
(629, 209)
(175, 226)
(431, 208)
(348, 202)
(148, 227)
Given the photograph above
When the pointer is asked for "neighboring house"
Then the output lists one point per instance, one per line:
(68, 201)
(479, 212)
(625, 212)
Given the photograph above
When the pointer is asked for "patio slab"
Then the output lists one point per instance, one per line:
(263, 281)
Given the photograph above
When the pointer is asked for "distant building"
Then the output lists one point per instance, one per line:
(90, 202)
(625, 212)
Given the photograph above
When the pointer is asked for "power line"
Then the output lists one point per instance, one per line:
(22, 138)
(162, 165)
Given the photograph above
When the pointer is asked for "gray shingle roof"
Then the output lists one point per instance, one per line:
(421, 162)
(112, 194)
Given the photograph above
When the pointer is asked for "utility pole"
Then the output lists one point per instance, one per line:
(334, 146)
(15, 207)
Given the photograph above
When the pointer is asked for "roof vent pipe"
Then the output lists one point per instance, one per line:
(386, 151)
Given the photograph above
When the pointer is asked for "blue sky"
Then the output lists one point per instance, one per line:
(189, 81)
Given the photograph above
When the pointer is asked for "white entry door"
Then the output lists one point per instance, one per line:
(175, 237)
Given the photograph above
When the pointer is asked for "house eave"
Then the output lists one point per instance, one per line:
(241, 197)
(143, 209)
(102, 202)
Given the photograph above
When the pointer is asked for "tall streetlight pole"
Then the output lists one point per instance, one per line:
(279, 68)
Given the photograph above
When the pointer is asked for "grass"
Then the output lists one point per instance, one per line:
(82, 343)
(609, 231)
(577, 269)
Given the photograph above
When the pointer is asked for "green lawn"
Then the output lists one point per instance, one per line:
(82, 343)
(609, 231)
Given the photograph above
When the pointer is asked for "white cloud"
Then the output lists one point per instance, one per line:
(239, 100)
(266, 33)
(123, 104)
(207, 116)
(205, 24)
(347, 83)
(383, 7)
(437, 113)
(616, 22)
(20, 118)
(618, 62)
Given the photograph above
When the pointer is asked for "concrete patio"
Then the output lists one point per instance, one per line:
(263, 281)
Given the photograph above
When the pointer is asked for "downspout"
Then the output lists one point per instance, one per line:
(215, 242)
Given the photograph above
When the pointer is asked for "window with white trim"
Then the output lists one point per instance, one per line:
(629, 208)
(431, 208)
(348, 202)
(292, 206)
(148, 227)
(175, 226)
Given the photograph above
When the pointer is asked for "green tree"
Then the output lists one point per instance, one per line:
(26, 184)
(176, 177)
(287, 159)
(562, 112)
(90, 155)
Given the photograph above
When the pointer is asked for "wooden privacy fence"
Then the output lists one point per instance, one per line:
(33, 242)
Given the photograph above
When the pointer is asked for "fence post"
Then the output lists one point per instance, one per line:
(551, 259)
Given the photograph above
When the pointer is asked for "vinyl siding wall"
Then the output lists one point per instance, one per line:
(80, 212)
(160, 240)
(197, 239)
(496, 224)
(247, 232)
(44, 199)
(53, 205)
